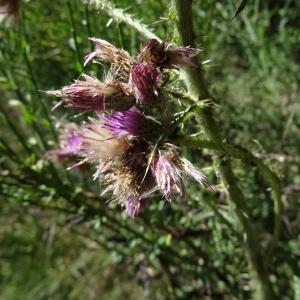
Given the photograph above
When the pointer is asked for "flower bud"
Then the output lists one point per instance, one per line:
(107, 52)
(144, 77)
(89, 93)
(169, 170)
(165, 55)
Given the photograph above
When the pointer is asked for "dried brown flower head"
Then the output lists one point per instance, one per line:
(119, 58)
(166, 55)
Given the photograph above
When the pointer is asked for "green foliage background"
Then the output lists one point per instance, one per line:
(60, 240)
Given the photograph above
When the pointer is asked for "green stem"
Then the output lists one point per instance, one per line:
(15, 130)
(88, 23)
(256, 259)
(79, 64)
(272, 180)
(247, 157)
(12, 155)
(198, 90)
(121, 15)
(241, 153)
(35, 87)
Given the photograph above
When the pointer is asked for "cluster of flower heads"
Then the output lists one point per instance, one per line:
(130, 149)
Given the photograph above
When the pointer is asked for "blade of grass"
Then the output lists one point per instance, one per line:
(41, 103)
(79, 63)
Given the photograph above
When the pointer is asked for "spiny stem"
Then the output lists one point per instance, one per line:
(255, 252)
(121, 15)
(243, 154)
(198, 90)
(238, 152)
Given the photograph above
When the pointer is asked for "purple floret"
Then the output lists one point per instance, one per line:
(145, 77)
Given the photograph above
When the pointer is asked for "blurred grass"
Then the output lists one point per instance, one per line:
(49, 250)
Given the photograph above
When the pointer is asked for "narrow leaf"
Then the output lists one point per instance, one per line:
(240, 8)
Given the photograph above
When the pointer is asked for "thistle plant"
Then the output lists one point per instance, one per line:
(137, 160)
(137, 150)
(133, 151)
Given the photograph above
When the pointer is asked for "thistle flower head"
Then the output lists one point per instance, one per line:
(70, 142)
(121, 182)
(131, 122)
(89, 93)
(145, 77)
(128, 189)
(122, 143)
(167, 174)
(128, 180)
(99, 144)
(165, 55)
(154, 52)
(105, 51)
(169, 170)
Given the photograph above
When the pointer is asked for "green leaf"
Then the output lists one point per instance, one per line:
(240, 8)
